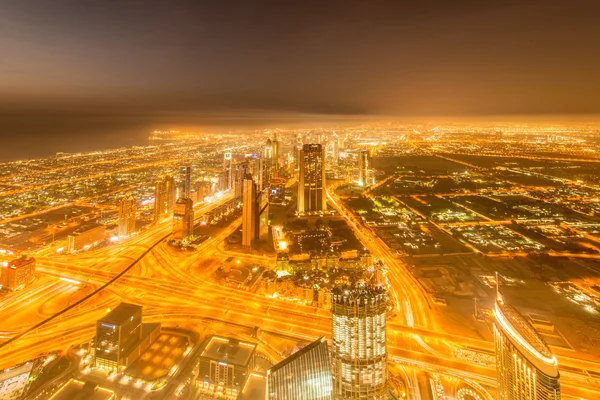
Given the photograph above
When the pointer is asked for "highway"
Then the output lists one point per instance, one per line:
(163, 282)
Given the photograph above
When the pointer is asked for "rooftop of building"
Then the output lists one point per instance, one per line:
(121, 314)
(18, 262)
(86, 227)
(229, 350)
(514, 324)
(361, 289)
(298, 354)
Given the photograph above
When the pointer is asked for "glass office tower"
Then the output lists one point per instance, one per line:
(305, 375)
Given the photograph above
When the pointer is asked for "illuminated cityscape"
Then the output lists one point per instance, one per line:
(290, 201)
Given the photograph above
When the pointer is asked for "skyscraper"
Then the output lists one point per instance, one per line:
(249, 212)
(269, 149)
(525, 366)
(228, 169)
(255, 213)
(183, 220)
(359, 354)
(164, 197)
(311, 180)
(297, 151)
(186, 173)
(363, 168)
(305, 375)
(127, 210)
(335, 148)
(275, 156)
(239, 171)
(264, 173)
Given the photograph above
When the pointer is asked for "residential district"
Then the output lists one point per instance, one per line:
(374, 262)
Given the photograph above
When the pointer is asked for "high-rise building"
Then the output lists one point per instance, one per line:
(239, 171)
(275, 156)
(262, 202)
(305, 375)
(298, 150)
(311, 180)
(127, 213)
(164, 198)
(269, 149)
(525, 366)
(16, 274)
(183, 220)
(186, 173)
(264, 173)
(249, 213)
(117, 333)
(359, 354)
(255, 213)
(335, 148)
(363, 168)
(228, 169)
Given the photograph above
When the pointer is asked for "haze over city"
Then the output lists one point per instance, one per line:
(106, 69)
(316, 200)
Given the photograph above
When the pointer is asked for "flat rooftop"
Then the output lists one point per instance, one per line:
(228, 350)
(120, 314)
(159, 357)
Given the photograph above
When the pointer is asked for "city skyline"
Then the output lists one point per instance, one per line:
(316, 200)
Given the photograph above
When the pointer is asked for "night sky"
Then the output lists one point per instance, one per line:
(103, 73)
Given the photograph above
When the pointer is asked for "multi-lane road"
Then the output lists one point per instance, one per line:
(173, 290)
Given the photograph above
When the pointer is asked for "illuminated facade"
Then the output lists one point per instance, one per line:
(311, 180)
(363, 168)
(359, 353)
(86, 236)
(127, 211)
(117, 333)
(225, 365)
(525, 367)
(305, 375)
(275, 156)
(186, 173)
(228, 170)
(335, 148)
(255, 213)
(183, 220)
(16, 274)
(164, 198)
(238, 174)
(249, 213)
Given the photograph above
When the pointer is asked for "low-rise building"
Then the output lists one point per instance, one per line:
(225, 365)
(16, 274)
(86, 236)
